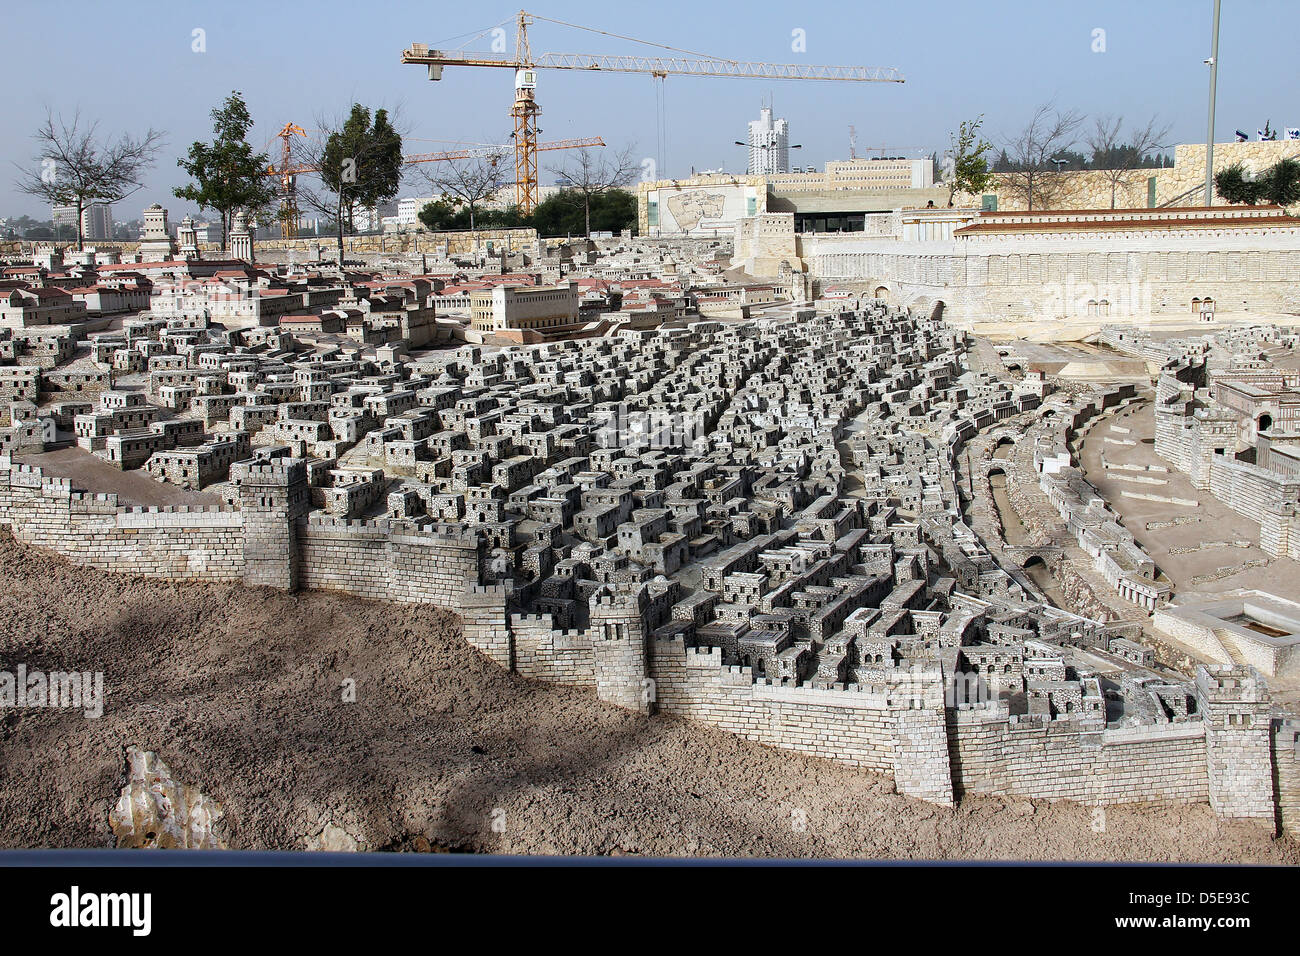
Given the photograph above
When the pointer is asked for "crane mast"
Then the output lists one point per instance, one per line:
(526, 110)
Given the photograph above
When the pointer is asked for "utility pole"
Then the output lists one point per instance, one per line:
(1213, 61)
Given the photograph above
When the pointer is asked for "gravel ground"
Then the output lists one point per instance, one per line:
(239, 692)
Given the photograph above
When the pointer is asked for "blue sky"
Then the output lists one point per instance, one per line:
(131, 65)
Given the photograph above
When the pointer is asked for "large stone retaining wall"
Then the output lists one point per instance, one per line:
(455, 242)
(933, 752)
(1048, 278)
(1248, 489)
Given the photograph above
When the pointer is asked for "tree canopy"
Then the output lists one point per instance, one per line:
(968, 171)
(228, 176)
(358, 164)
(1279, 184)
(362, 160)
(562, 214)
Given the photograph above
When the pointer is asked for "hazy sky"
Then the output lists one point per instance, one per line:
(131, 65)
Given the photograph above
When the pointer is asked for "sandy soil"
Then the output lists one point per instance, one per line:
(238, 691)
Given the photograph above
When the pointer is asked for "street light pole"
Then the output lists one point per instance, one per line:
(764, 147)
(1209, 137)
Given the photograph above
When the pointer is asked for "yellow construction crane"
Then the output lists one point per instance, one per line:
(288, 171)
(525, 65)
(288, 190)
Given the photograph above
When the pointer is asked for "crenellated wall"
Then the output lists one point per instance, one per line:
(176, 543)
(1068, 759)
(893, 730)
(388, 561)
(269, 541)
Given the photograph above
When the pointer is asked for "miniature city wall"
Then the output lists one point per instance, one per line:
(909, 730)
(1234, 757)
(269, 540)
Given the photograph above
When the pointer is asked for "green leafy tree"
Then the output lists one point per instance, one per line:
(566, 214)
(969, 170)
(74, 167)
(359, 163)
(440, 215)
(1281, 184)
(444, 214)
(228, 176)
(1237, 186)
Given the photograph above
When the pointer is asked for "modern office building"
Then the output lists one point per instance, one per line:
(769, 145)
(96, 219)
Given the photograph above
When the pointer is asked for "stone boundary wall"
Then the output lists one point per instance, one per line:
(177, 543)
(387, 561)
(862, 727)
(1248, 489)
(1091, 188)
(1284, 741)
(379, 560)
(1054, 278)
(1063, 760)
(458, 242)
(545, 653)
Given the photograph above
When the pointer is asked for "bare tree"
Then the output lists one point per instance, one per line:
(1033, 176)
(74, 167)
(469, 182)
(1115, 158)
(587, 175)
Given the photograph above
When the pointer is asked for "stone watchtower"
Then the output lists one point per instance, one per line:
(1234, 703)
(187, 236)
(241, 238)
(273, 495)
(618, 637)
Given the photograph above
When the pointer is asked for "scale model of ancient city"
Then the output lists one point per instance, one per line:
(979, 498)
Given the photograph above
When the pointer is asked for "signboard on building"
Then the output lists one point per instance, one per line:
(699, 210)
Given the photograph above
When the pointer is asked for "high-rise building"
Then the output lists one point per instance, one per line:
(769, 145)
(96, 219)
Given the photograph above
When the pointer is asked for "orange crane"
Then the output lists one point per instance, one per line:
(288, 187)
(525, 65)
(287, 171)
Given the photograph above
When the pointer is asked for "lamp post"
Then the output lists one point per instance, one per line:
(1213, 63)
(764, 146)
